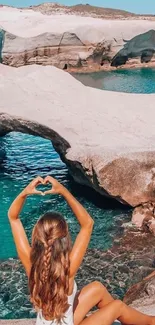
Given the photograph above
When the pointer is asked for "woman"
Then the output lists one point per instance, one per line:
(51, 265)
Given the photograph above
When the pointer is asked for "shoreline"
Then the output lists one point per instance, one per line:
(107, 67)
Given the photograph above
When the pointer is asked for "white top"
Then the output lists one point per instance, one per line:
(68, 319)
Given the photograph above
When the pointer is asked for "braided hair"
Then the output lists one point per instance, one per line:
(49, 276)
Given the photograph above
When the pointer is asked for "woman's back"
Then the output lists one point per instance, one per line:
(68, 319)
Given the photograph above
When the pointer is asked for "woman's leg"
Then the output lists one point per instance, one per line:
(118, 310)
(94, 294)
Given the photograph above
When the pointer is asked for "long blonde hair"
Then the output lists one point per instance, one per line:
(49, 277)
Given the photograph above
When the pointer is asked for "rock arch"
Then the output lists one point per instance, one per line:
(9, 123)
(110, 148)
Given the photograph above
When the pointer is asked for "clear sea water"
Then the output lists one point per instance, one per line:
(140, 81)
(28, 156)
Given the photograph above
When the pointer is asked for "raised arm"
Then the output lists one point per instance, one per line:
(84, 219)
(19, 235)
(83, 237)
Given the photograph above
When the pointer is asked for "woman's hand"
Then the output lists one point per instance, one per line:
(57, 188)
(32, 187)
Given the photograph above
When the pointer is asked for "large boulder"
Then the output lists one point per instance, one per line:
(106, 139)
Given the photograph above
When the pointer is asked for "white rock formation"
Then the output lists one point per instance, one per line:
(28, 23)
(107, 139)
(31, 37)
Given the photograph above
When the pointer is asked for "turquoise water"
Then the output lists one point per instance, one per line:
(27, 157)
(129, 81)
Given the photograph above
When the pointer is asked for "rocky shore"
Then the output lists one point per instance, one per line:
(131, 64)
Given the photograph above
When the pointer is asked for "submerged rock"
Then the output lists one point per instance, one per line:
(130, 259)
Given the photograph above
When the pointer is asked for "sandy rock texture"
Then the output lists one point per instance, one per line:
(141, 296)
(70, 40)
(144, 217)
(106, 139)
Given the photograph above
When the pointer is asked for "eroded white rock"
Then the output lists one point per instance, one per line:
(107, 139)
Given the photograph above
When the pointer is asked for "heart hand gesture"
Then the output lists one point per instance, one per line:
(32, 187)
(56, 186)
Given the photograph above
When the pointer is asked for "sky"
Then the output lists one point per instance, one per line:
(136, 6)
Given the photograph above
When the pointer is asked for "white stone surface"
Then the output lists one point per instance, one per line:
(28, 23)
(92, 118)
